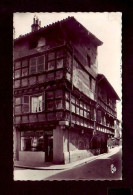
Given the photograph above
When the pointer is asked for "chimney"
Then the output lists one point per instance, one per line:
(36, 24)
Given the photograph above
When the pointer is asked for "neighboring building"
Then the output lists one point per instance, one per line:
(106, 109)
(55, 94)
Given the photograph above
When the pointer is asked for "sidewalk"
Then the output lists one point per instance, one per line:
(51, 166)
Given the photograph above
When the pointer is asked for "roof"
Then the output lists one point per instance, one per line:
(101, 79)
(66, 21)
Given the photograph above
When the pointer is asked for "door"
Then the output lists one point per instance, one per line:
(48, 147)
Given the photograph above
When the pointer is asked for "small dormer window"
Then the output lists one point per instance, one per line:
(88, 61)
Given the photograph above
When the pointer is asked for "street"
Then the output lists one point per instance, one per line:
(102, 168)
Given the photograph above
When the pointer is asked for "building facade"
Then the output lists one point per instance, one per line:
(57, 102)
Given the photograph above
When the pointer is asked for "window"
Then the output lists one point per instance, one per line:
(58, 94)
(17, 65)
(51, 65)
(93, 85)
(33, 103)
(24, 63)
(37, 64)
(60, 63)
(17, 73)
(58, 104)
(50, 95)
(24, 71)
(50, 105)
(26, 104)
(99, 116)
(88, 61)
(36, 103)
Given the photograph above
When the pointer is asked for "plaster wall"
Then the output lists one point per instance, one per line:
(34, 157)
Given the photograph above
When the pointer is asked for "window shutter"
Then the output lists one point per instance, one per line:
(26, 103)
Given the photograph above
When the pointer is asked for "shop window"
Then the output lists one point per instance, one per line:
(17, 73)
(32, 141)
(59, 63)
(37, 105)
(58, 104)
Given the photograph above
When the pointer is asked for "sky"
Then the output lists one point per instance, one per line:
(106, 26)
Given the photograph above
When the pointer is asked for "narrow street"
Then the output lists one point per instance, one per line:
(102, 168)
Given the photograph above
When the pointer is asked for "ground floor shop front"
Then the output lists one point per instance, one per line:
(59, 145)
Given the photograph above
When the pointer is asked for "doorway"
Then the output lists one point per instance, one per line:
(48, 140)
